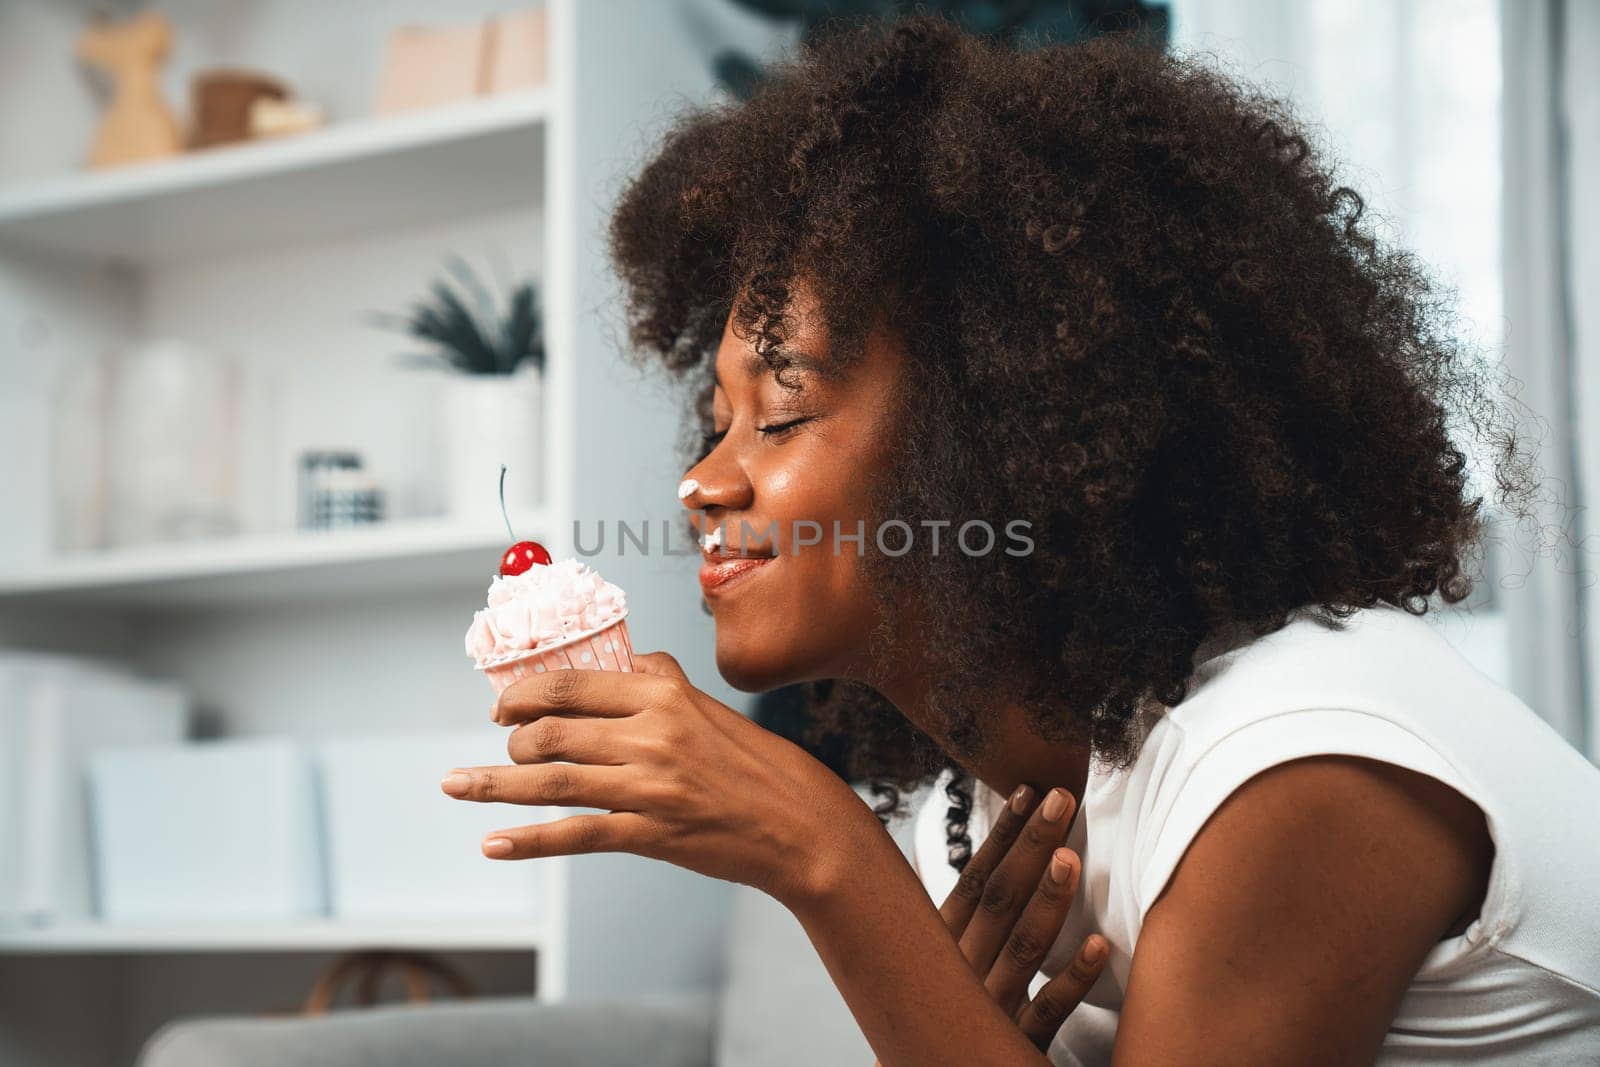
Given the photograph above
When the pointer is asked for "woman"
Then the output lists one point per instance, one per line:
(1112, 309)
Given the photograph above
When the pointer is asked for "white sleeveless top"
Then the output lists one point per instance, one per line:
(1520, 986)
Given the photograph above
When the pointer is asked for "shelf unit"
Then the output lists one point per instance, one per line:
(347, 178)
(272, 252)
(274, 568)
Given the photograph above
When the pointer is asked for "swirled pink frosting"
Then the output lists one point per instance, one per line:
(541, 607)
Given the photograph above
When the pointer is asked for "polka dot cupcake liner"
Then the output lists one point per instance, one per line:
(605, 649)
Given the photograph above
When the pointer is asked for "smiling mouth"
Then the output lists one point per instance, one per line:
(724, 566)
(718, 576)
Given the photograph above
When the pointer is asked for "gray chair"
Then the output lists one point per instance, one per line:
(777, 1007)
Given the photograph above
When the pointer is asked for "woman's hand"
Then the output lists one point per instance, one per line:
(1008, 906)
(682, 776)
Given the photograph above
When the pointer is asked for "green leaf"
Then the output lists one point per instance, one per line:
(471, 340)
(520, 339)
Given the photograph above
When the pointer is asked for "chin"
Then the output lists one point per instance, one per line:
(750, 671)
(757, 653)
(759, 659)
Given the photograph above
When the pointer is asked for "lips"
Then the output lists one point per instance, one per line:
(718, 576)
(723, 566)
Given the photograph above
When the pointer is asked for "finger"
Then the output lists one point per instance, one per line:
(570, 738)
(963, 900)
(659, 663)
(1050, 1006)
(1012, 884)
(620, 831)
(565, 784)
(602, 694)
(1035, 931)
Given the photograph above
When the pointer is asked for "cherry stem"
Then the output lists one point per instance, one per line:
(503, 513)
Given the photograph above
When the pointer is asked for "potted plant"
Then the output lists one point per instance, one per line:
(490, 407)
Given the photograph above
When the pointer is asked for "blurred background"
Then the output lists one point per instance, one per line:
(282, 284)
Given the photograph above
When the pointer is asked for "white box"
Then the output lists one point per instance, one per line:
(518, 51)
(25, 407)
(55, 712)
(399, 847)
(213, 830)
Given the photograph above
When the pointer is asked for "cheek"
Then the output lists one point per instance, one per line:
(811, 616)
(830, 498)
(784, 482)
(821, 580)
(817, 480)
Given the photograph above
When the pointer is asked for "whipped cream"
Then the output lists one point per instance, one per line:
(541, 608)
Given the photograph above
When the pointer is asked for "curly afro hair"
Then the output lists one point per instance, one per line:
(1140, 313)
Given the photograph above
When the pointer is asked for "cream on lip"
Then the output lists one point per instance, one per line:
(712, 548)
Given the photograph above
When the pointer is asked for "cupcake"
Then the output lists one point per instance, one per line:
(544, 616)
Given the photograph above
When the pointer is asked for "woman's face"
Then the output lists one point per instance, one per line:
(787, 469)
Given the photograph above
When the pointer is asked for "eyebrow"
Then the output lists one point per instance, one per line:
(755, 366)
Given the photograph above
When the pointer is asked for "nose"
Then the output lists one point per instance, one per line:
(715, 485)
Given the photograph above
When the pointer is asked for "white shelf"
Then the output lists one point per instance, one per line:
(324, 935)
(398, 170)
(399, 556)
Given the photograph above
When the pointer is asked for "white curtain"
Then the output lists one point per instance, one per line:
(1581, 94)
(1473, 129)
(1551, 123)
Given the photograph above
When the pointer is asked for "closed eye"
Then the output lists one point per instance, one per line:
(709, 441)
(774, 429)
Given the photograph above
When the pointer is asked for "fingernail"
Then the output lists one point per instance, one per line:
(1055, 804)
(1093, 951)
(494, 712)
(1020, 799)
(497, 846)
(456, 783)
(1060, 866)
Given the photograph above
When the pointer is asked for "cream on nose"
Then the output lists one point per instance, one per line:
(687, 487)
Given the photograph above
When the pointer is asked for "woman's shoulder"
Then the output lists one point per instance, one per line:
(1387, 687)
(1381, 684)
(1382, 661)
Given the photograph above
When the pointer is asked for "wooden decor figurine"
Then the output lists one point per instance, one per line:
(221, 102)
(137, 125)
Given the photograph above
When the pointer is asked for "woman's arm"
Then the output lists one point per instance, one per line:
(1299, 914)
(913, 993)
(684, 778)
